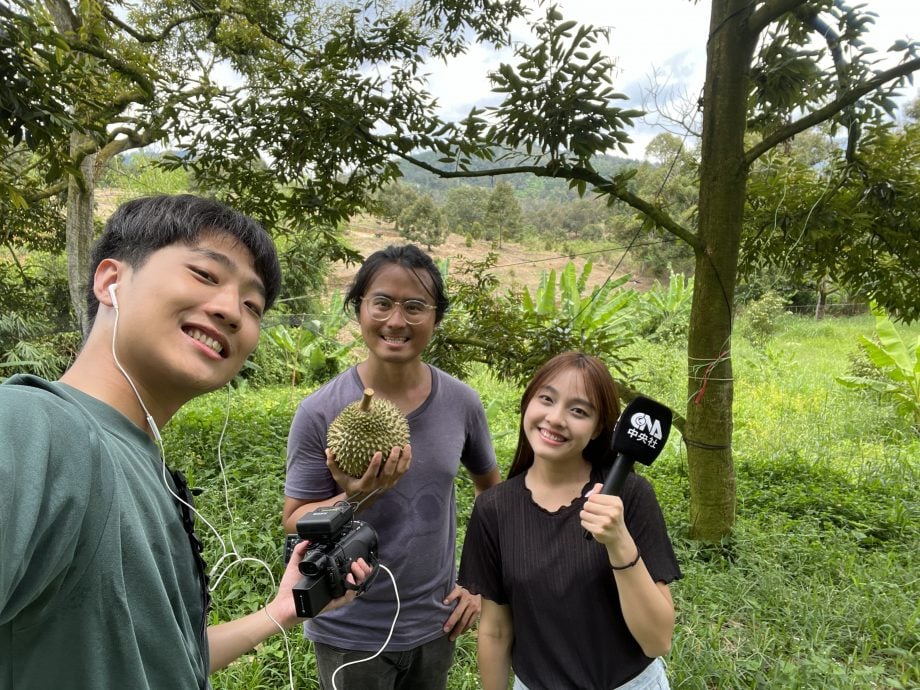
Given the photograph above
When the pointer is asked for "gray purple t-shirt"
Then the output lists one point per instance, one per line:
(415, 520)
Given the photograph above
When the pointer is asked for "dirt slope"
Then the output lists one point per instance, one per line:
(516, 265)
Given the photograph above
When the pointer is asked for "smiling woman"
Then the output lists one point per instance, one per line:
(548, 594)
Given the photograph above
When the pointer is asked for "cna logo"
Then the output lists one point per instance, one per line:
(644, 422)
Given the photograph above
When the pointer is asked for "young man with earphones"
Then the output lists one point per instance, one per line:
(101, 578)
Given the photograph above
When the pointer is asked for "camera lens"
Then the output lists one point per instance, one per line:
(312, 563)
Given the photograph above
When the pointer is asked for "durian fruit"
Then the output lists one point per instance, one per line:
(363, 428)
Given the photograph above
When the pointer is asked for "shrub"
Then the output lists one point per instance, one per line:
(303, 350)
(665, 311)
(759, 320)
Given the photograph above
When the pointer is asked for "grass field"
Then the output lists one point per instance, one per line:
(816, 588)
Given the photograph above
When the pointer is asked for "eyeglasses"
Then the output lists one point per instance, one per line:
(380, 308)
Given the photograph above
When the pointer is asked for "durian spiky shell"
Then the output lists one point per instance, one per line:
(363, 428)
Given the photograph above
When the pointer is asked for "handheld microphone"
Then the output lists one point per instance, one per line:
(639, 436)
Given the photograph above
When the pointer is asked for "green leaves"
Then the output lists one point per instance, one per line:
(515, 332)
(309, 349)
(898, 361)
(810, 214)
(556, 105)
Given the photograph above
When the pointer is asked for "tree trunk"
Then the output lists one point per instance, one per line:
(821, 306)
(79, 225)
(79, 233)
(723, 174)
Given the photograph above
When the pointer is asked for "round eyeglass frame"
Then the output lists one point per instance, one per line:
(412, 320)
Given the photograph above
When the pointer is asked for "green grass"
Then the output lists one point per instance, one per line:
(817, 587)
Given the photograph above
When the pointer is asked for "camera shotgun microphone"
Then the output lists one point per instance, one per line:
(639, 436)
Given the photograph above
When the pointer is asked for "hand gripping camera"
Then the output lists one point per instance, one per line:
(336, 541)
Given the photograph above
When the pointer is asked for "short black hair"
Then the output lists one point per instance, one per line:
(410, 257)
(142, 226)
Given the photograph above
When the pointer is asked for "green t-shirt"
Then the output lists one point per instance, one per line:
(98, 583)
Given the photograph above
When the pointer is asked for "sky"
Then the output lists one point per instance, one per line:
(663, 37)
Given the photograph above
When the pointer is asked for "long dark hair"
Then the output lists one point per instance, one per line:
(601, 391)
(410, 257)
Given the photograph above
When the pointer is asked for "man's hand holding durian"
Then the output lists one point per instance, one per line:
(379, 476)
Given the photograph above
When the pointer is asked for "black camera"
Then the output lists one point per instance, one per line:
(336, 541)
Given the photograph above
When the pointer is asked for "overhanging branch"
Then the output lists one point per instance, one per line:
(770, 11)
(119, 65)
(845, 99)
(602, 185)
(212, 15)
(58, 187)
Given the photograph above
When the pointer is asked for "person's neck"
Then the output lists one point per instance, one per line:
(554, 486)
(407, 385)
(393, 378)
(95, 373)
(559, 476)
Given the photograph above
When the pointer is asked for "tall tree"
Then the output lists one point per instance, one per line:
(391, 200)
(141, 73)
(423, 222)
(753, 101)
(503, 214)
(465, 209)
(852, 224)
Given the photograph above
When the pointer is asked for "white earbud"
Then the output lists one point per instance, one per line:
(112, 295)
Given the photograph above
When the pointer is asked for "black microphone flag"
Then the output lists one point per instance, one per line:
(639, 436)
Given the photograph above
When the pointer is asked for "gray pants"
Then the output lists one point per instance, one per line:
(652, 678)
(423, 668)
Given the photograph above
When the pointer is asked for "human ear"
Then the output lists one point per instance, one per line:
(105, 281)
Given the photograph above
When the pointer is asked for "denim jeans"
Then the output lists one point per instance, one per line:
(652, 678)
(422, 668)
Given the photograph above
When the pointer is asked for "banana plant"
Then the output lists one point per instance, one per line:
(598, 322)
(604, 309)
(898, 361)
(312, 348)
(665, 311)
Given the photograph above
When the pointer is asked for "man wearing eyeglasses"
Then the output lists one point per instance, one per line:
(398, 299)
(101, 579)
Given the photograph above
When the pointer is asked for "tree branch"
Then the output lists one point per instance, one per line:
(164, 34)
(136, 75)
(213, 15)
(26, 281)
(601, 184)
(770, 11)
(818, 25)
(816, 117)
(58, 187)
(132, 140)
